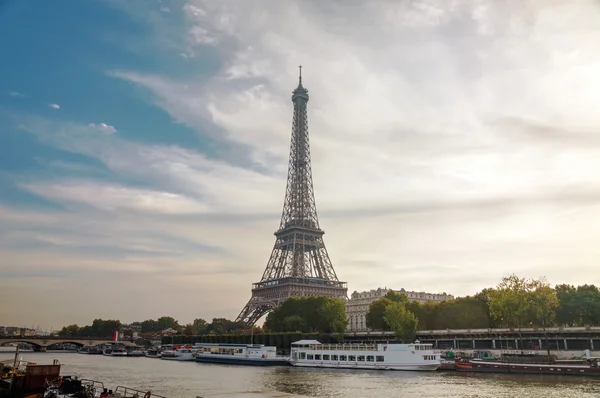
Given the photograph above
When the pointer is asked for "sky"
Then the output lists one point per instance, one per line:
(144, 146)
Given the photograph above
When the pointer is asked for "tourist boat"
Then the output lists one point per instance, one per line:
(180, 354)
(417, 356)
(114, 352)
(239, 354)
(153, 353)
(89, 350)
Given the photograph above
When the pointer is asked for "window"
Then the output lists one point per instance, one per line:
(325, 357)
(309, 357)
(317, 357)
(342, 357)
(334, 357)
(352, 358)
(380, 358)
(361, 358)
(302, 355)
(370, 358)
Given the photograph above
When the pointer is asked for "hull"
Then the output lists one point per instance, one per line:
(406, 367)
(232, 360)
(179, 358)
(115, 354)
(153, 355)
(525, 368)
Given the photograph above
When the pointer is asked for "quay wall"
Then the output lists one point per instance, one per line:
(561, 340)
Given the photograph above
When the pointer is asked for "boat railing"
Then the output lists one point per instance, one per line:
(342, 347)
(126, 392)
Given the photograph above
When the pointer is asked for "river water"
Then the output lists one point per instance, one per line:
(190, 379)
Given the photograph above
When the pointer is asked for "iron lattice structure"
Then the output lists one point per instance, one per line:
(299, 265)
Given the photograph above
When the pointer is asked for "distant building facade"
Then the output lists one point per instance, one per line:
(358, 304)
(13, 331)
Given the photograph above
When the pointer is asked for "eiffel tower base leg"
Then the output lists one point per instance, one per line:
(252, 312)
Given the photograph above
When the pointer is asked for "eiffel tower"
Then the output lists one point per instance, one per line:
(299, 265)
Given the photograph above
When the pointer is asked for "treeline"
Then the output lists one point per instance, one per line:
(514, 303)
(309, 315)
(98, 328)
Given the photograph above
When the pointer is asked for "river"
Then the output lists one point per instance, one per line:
(189, 379)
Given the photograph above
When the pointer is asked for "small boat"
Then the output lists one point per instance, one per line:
(239, 354)
(311, 353)
(135, 352)
(89, 350)
(180, 354)
(114, 352)
(153, 353)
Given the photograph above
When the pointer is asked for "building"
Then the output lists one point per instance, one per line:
(358, 304)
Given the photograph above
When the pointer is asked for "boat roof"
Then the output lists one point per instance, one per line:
(229, 345)
(304, 342)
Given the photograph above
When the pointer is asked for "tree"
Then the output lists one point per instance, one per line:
(396, 297)
(375, 314)
(402, 321)
(200, 326)
(188, 330)
(509, 302)
(294, 323)
(167, 322)
(308, 315)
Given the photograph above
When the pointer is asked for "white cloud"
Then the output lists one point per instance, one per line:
(54, 106)
(165, 9)
(103, 127)
(452, 143)
(16, 94)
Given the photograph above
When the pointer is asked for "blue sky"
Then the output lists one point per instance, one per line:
(143, 148)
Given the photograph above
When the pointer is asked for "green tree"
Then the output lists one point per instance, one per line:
(402, 321)
(189, 330)
(333, 312)
(509, 302)
(396, 297)
(294, 323)
(375, 314)
(167, 322)
(200, 326)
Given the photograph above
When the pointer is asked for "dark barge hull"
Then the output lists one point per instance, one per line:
(527, 368)
(228, 360)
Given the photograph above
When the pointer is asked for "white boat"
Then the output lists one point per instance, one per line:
(311, 353)
(135, 352)
(239, 354)
(180, 354)
(153, 353)
(114, 352)
(89, 350)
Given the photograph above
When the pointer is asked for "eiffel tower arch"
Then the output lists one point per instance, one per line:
(299, 265)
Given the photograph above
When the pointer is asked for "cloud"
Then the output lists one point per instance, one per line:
(445, 152)
(103, 127)
(165, 9)
(16, 94)
(54, 106)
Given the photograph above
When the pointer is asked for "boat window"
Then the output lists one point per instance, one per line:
(352, 358)
(370, 358)
(342, 357)
(334, 357)
(361, 358)
(380, 358)
(325, 357)
(302, 355)
(309, 356)
(317, 357)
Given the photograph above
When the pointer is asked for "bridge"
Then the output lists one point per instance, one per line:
(41, 343)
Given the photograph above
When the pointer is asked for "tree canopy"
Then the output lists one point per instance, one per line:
(308, 315)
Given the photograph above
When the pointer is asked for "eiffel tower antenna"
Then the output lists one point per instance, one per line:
(299, 265)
